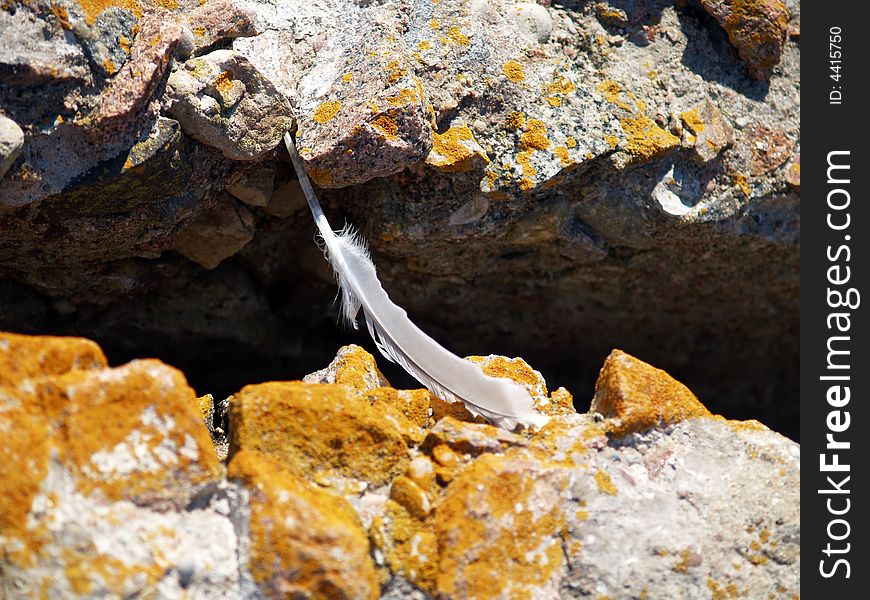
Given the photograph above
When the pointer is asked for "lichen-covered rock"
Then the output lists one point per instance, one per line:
(108, 477)
(635, 396)
(111, 488)
(321, 430)
(221, 100)
(757, 28)
(303, 542)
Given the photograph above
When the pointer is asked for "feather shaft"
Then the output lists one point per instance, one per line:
(501, 401)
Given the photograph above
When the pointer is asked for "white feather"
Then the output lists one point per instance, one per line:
(501, 401)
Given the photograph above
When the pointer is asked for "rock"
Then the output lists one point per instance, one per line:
(320, 430)
(217, 233)
(756, 28)
(324, 497)
(120, 106)
(534, 21)
(220, 20)
(108, 477)
(590, 207)
(304, 541)
(471, 438)
(793, 174)
(371, 120)
(255, 186)
(711, 131)
(353, 368)
(11, 141)
(24, 357)
(107, 39)
(221, 100)
(634, 396)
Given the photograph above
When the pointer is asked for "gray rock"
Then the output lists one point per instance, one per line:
(217, 233)
(221, 100)
(255, 186)
(534, 21)
(11, 141)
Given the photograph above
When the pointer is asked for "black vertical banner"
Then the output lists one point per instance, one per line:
(835, 361)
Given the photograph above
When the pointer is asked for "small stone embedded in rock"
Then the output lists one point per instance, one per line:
(534, 21)
(11, 142)
(255, 186)
(353, 368)
(710, 131)
(119, 107)
(218, 233)
(221, 100)
(471, 438)
(634, 396)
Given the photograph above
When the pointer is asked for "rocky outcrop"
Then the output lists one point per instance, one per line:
(620, 165)
(353, 489)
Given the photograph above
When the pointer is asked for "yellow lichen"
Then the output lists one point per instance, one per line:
(347, 77)
(93, 8)
(326, 111)
(457, 37)
(692, 120)
(513, 71)
(223, 83)
(610, 89)
(515, 120)
(562, 85)
(570, 142)
(646, 140)
(424, 45)
(605, 483)
(612, 141)
(434, 24)
(386, 125)
(535, 136)
(564, 158)
(455, 150)
(395, 72)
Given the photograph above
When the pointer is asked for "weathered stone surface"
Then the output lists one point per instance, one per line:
(11, 141)
(757, 28)
(255, 186)
(107, 477)
(635, 245)
(707, 130)
(221, 100)
(353, 368)
(121, 495)
(304, 542)
(118, 109)
(318, 430)
(220, 20)
(217, 233)
(635, 396)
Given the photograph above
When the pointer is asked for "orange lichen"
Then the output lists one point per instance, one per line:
(562, 85)
(554, 101)
(570, 142)
(742, 183)
(456, 150)
(134, 408)
(635, 396)
(395, 71)
(62, 15)
(326, 111)
(457, 37)
(411, 496)
(386, 125)
(646, 140)
(692, 120)
(517, 369)
(612, 141)
(610, 89)
(357, 370)
(513, 71)
(564, 158)
(535, 136)
(484, 527)
(311, 428)
(515, 120)
(605, 483)
(25, 357)
(304, 541)
(424, 45)
(223, 83)
(93, 8)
